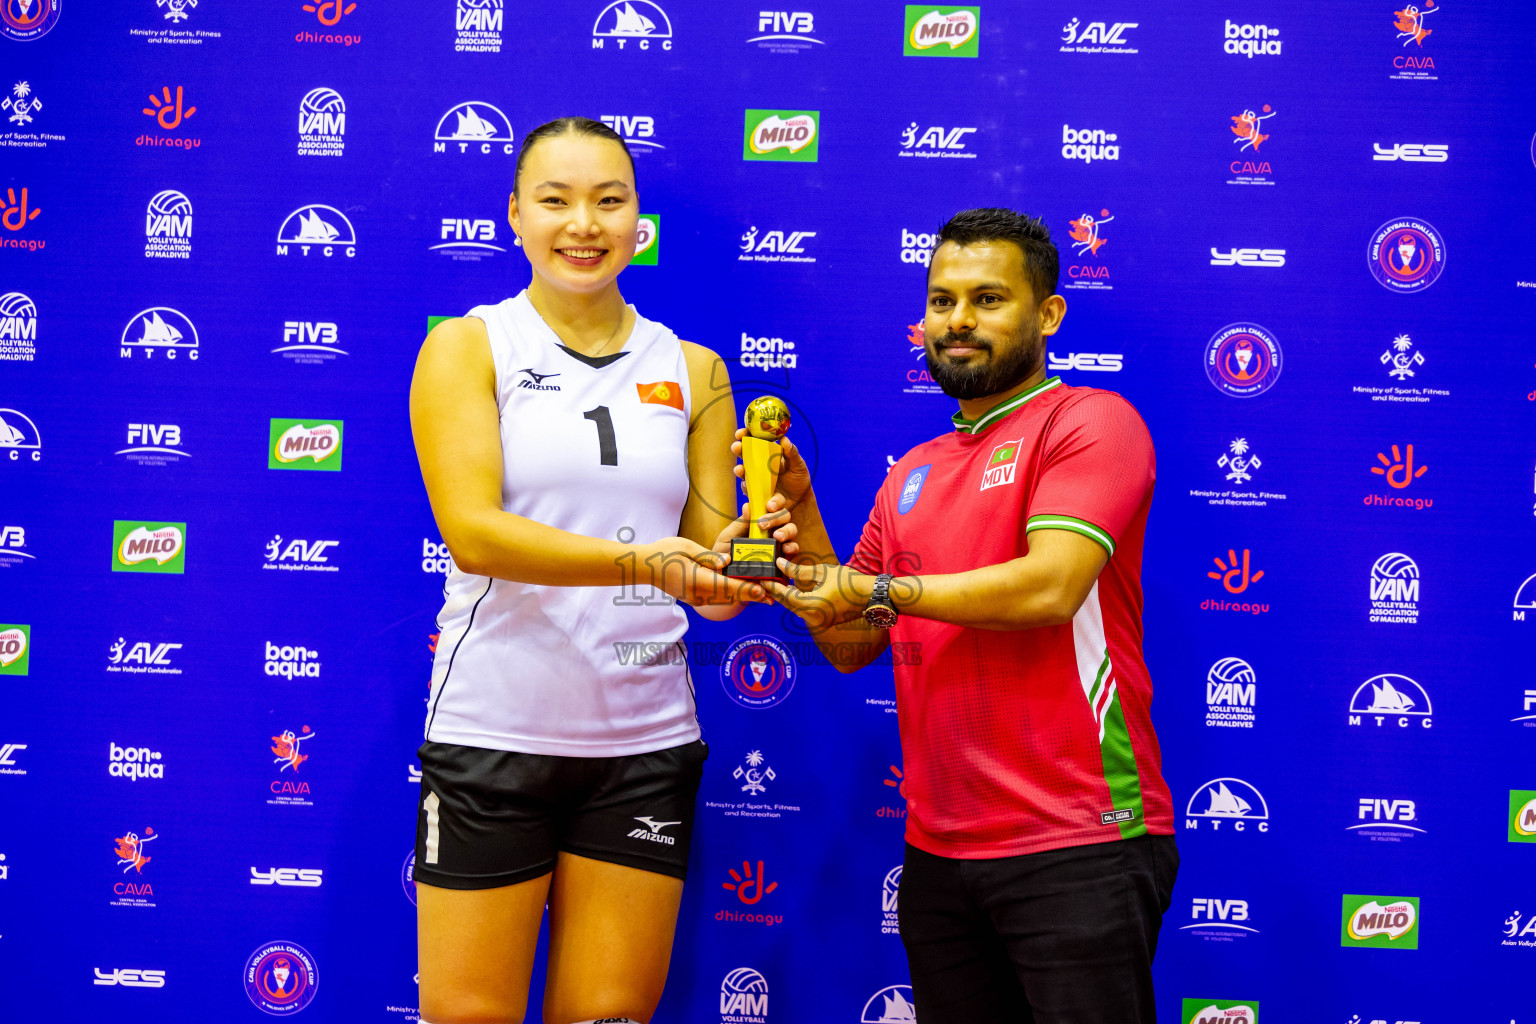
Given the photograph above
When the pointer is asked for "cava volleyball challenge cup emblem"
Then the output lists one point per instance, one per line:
(280, 978)
(1406, 255)
(1243, 360)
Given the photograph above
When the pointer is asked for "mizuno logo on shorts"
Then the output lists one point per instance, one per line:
(654, 834)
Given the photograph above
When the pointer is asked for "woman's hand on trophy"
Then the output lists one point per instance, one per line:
(691, 573)
(794, 484)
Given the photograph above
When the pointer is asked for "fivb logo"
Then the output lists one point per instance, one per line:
(1393, 697)
(474, 126)
(322, 123)
(1390, 922)
(18, 328)
(134, 763)
(1220, 920)
(638, 131)
(168, 226)
(1385, 818)
(640, 22)
(1247, 257)
(159, 329)
(744, 997)
(785, 31)
(1228, 800)
(1230, 694)
(153, 444)
(1394, 589)
(324, 229)
(942, 31)
(292, 662)
(12, 540)
(465, 239)
(130, 977)
(782, 135)
(1088, 144)
(300, 555)
(775, 246)
(291, 442)
(301, 878)
(149, 547)
(1411, 152)
(1252, 40)
(936, 141)
(477, 26)
(309, 341)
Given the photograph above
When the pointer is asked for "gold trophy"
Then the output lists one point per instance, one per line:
(756, 556)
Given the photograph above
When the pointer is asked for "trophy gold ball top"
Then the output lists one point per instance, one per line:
(767, 417)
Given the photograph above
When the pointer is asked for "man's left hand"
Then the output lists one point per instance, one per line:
(822, 595)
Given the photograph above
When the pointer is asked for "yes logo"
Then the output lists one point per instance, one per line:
(291, 442)
(955, 29)
(1522, 816)
(15, 650)
(149, 547)
(1389, 922)
(782, 135)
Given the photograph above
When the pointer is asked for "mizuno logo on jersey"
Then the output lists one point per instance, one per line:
(535, 381)
(1001, 466)
(653, 834)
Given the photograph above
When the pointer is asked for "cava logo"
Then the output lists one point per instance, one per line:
(322, 123)
(1411, 152)
(1248, 258)
(159, 329)
(467, 240)
(1252, 129)
(310, 342)
(1097, 37)
(1390, 922)
(1411, 63)
(300, 555)
(775, 246)
(1089, 144)
(1522, 816)
(474, 127)
(477, 26)
(1230, 694)
(12, 540)
(891, 1005)
(15, 657)
(890, 896)
(647, 241)
(758, 672)
(130, 977)
(1095, 362)
(23, 21)
(1087, 234)
(1219, 920)
(153, 444)
(1406, 255)
(18, 328)
(632, 23)
(935, 141)
(637, 131)
(149, 547)
(142, 657)
(942, 31)
(785, 31)
(744, 997)
(324, 229)
(1232, 802)
(134, 763)
(19, 438)
(1251, 40)
(1220, 1011)
(768, 353)
(1391, 699)
(168, 226)
(304, 444)
(781, 135)
(300, 878)
(1394, 589)
(293, 661)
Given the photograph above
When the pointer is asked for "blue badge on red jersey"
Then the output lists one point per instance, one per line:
(912, 488)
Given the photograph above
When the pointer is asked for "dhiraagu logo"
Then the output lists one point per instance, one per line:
(1385, 922)
(304, 444)
(1522, 815)
(647, 241)
(782, 135)
(1220, 1011)
(15, 649)
(942, 31)
(149, 547)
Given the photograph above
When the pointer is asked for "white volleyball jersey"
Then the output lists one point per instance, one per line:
(596, 447)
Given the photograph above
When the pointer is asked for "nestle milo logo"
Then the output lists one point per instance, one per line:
(1390, 922)
(941, 31)
(304, 444)
(15, 649)
(149, 547)
(782, 135)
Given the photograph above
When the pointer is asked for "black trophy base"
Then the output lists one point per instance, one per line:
(755, 558)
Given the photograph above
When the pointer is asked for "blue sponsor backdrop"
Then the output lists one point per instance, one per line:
(1295, 236)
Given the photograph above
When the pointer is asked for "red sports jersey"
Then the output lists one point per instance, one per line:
(1033, 739)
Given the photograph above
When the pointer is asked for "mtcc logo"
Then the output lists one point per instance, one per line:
(1232, 801)
(775, 246)
(1411, 152)
(316, 226)
(935, 141)
(1097, 37)
(280, 977)
(159, 329)
(1406, 255)
(477, 24)
(1089, 144)
(18, 328)
(744, 997)
(168, 226)
(891, 1005)
(638, 131)
(1391, 699)
(1251, 40)
(474, 124)
(19, 438)
(640, 22)
(1247, 257)
(322, 123)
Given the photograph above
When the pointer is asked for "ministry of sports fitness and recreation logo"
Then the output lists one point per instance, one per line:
(1218, 920)
(636, 24)
(1097, 37)
(758, 671)
(647, 241)
(1231, 694)
(1402, 360)
(304, 444)
(1522, 816)
(173, 27)
(159, 329)
(19, 437)
(1411, 28)
(1381, 922)
(1229, 801)
(935, 141)
(775, 246)
(168, 226)
(310, 341)
(17, 214)
(1406, 255)
(1243, 360)
(300, 555)
(1249, 165)
(1251, 40)
(324, 229)
(1394, 589)
(1391, 699)
(637, 130)
(23, 21)
(891, 1005)
(139, 546)
(1238, 464)
(785, 31)
(19, 109)
(1220, 1011)
(744, 997)
(18, 328)
(280, 978)
(942, 31)
(474, 126)
(169, 110)
(15, 650)
(322, 123)
(477, 26)
(793, 135)
(1087, 234)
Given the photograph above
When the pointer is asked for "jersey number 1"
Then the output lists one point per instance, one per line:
(607, 444)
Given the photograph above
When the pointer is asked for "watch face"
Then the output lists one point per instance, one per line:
(881, 616)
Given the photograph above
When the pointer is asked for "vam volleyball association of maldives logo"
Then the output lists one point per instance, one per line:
(1406, 255)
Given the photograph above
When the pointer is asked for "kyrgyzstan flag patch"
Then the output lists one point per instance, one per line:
(663, 392)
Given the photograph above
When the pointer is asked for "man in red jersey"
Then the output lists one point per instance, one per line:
(1007, 553)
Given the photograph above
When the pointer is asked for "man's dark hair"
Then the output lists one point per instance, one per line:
(995, 224)
(568, 126)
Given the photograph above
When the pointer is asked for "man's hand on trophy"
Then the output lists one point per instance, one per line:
(775, 524)
(823, 595)
(794, 478)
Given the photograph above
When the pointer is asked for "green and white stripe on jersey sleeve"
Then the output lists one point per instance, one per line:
(1097, 675)
(996, 413)
(1046, 521)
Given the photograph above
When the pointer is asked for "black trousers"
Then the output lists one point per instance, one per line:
(1061, 937)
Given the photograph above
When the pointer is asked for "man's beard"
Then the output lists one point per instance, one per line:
(977, 378)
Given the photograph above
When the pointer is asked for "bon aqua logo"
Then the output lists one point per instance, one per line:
(304, 444)
(139, 546)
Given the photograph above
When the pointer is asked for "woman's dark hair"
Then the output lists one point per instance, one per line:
(993, 224)
(568, 126)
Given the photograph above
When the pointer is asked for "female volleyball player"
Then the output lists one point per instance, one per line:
(577, 457)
